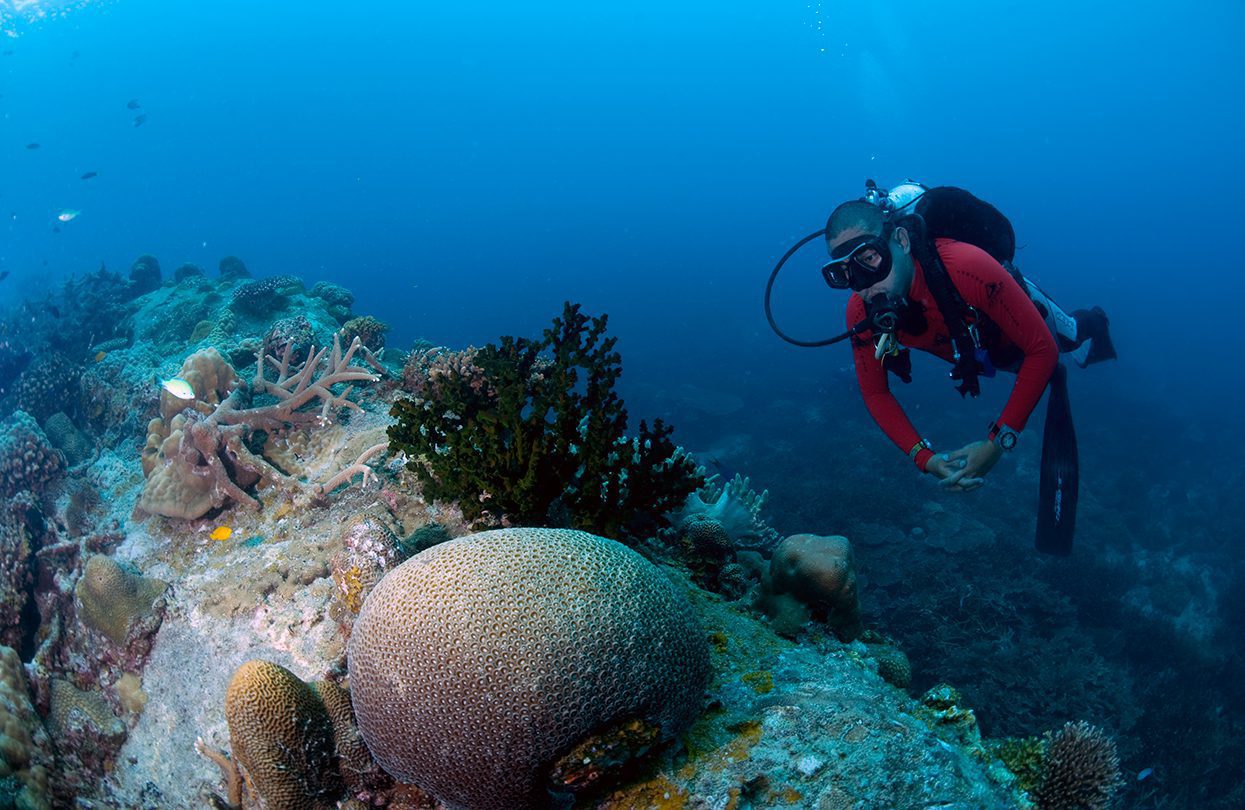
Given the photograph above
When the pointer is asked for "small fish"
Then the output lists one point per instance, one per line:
(32, 145)
(140, 119)
(89, 175)
(68, 214)
(178, 388)
(221, 533)
(100, 355)
(132, 104)
(1143, 773)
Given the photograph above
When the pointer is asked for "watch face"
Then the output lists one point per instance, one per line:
(1007, 440)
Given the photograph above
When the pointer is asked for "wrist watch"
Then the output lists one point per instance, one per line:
(1003, 436)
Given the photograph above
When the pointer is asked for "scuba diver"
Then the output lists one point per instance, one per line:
(931, 269)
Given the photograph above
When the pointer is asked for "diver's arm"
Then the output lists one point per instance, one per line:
(989, 288)
(881, 403)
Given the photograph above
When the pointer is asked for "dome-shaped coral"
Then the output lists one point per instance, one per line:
(476, 664)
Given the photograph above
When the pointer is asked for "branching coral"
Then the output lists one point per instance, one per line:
(198, 459)
(532, 431)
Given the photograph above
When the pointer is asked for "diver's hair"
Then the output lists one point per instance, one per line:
(855, 215)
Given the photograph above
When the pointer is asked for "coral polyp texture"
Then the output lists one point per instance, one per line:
(28, 461)
(115, 601)
(197, 458)
(476, 664)
(1081, 770)
(282, 735)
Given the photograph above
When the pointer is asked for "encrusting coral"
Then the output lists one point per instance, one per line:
(533, 433)
(197, 458)
(477, 663)
(115, 601)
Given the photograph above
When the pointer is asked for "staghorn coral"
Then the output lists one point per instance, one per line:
(539, 438)
(117, 602)
(282, 734)
(25, 749)
(197, 460)
(1081, 770)
(28, 461)
(819, 573)
(477, 663)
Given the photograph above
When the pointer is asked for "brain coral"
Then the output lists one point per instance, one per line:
(282, 734)
(113, 600)
(477, 663)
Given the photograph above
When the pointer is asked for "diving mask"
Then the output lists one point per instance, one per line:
(862, 262)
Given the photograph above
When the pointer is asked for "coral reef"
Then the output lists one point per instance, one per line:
(1081, 770)
(476, 663)
(814, 576)
(539, 438)
(83, 726)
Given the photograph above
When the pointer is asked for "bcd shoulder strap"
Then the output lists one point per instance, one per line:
(950, 303)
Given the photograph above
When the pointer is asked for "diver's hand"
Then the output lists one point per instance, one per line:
(942, 467)
(972, 462)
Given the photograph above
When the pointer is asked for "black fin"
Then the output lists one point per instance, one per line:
(1060, 484)
(1092, 327)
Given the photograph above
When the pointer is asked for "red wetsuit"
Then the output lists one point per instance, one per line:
(987, 287)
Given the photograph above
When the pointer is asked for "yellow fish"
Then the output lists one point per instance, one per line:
(100, 356)
(221, 533)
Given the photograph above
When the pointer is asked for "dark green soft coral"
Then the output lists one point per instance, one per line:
(533, 431)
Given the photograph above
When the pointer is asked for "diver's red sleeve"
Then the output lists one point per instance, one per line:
(875, 388)
(988, 287)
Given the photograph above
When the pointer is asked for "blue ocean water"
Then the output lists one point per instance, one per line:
(464, 169)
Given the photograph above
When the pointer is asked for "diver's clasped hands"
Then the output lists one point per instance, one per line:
(965, 469)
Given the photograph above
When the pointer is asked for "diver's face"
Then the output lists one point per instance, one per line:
(896, 283)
